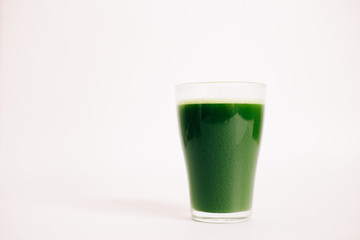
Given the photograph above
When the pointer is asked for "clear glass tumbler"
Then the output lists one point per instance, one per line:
(220, 125)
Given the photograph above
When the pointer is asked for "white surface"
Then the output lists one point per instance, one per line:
(87, 106)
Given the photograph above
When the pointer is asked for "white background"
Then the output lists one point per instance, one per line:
(89, 139)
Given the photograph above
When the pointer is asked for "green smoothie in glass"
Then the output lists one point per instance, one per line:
(221, 139)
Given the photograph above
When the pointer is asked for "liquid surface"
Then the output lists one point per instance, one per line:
(221, 143)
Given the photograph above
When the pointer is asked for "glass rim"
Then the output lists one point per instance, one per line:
(222, 82)
(220, 92)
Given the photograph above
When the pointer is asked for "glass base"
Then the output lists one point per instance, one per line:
(220, 217)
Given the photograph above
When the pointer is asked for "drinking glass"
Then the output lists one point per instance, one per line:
(220, 126)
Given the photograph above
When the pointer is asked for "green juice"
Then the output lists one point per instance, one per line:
(221, 144)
